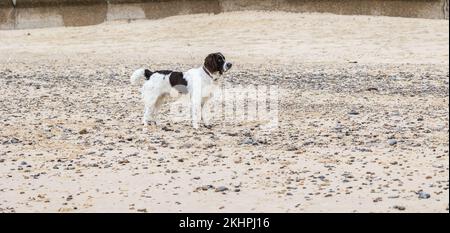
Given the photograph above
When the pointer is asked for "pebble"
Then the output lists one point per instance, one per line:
(186, 146)
(338, 127)
(221, 189)
(398, 207)
(392, 142)
(423, 195)
(353, 112)
(124, 161)
(83, 131)
(165, 128)
(378, 199)
(249, 141)
(205, 187)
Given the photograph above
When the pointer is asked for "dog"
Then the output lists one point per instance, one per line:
(198, 83)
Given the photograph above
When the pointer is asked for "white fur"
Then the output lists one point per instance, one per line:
(137, 75)
(156, 90)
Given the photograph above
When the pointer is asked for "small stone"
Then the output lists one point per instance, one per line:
(249, 141)
(165, 128)
(144, 210)
(308, 142)
(392, 142)
(186, 146)
(124, 161)
(206, 187)
(423, 195)
(378, 199)
(338, 126)
(353, 112)
(221, 189)
(398, 207)
(83, 131)
(11, 141)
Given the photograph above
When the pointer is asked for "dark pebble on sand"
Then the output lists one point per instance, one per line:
(221, 189)
(353, 112)
(83, 131)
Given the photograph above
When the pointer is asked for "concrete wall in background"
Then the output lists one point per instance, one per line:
(20, 14)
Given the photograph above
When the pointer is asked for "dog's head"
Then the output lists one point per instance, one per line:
(215, 62)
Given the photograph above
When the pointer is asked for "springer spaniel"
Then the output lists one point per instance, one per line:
(197, 82)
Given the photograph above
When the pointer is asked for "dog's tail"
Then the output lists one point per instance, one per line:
(140, 74)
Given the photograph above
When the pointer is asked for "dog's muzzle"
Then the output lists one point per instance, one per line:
(227, 66)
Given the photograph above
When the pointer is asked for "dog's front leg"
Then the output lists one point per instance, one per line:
(196, 109)
(196, 101)
(205, 111)
(196, 114)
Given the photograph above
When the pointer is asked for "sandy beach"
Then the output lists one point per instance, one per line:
(362, 126)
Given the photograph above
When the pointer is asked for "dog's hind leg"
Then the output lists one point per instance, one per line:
(150, 102)
(157, 106)
(147, 114)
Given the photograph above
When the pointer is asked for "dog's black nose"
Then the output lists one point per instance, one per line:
(229, 65)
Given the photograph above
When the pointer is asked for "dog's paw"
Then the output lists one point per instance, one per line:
(208, 126)
(150, 123)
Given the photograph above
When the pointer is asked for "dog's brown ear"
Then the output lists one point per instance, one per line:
(211, 63)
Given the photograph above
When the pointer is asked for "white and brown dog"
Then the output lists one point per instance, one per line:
(197, 82)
